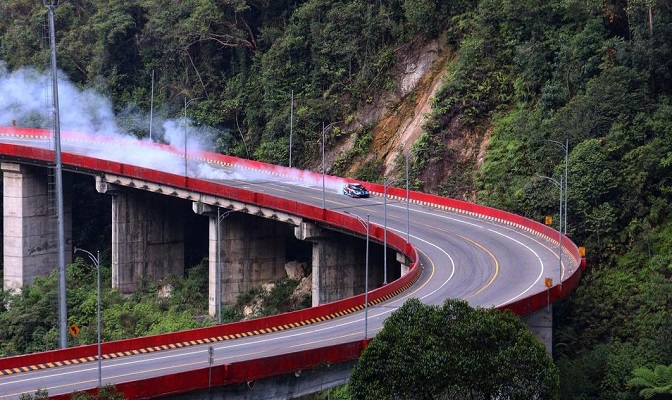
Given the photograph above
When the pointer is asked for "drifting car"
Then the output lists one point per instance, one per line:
(355, 190)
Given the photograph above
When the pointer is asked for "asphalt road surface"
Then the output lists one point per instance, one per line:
(483, 262)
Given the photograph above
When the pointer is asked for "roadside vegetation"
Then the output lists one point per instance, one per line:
(29, 320)
(106, 392)
(526, 75)
(595, 75)
(456, 352)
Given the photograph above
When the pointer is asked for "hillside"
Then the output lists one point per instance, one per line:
(397, 117)
(480, 91)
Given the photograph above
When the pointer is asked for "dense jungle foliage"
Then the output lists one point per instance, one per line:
(526, 74)
(30, 323)
(106, 392)
(457, 352)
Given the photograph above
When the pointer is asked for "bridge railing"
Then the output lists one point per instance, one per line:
(327, 217)
(238, 372)
(247, 372)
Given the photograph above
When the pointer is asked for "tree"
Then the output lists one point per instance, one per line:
(40, 394)
(106, 392)
(454, 352)
(657, 381)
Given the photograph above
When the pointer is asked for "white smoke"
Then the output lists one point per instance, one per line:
(26, 101)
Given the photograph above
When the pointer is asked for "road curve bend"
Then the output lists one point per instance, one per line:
(488, 257)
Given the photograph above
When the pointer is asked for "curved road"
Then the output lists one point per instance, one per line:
(486, 263)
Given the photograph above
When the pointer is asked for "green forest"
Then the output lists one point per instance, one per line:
(523, 76)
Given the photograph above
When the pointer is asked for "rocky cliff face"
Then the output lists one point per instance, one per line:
(397, 117)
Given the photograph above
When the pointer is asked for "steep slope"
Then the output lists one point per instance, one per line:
(395, 121)
(397, 116)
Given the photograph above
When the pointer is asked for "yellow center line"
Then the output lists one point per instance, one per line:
(494, 259)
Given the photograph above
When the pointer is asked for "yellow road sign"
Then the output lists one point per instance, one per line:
(74, 330)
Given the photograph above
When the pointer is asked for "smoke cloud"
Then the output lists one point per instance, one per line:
(26, 101)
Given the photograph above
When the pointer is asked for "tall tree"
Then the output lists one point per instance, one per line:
(454, 352)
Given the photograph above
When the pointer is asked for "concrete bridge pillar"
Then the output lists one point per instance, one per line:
(252, 252)
(30, 237)
(338, 263)
(147, 236)
(404, 262)
(541, 325)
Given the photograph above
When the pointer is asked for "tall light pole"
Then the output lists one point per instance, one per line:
(384, 231)
(324, 200)
(385, 181)
(366, 224)
(408, 202)
(218, 267)
(559, 185)
(96, 263)
(291, 121)
(62, 303)
(291, 127)
(565, 147)
(218, 272)
(324, 129)
(151, 108)
(366, 281)
(409, 153)
(186, 103)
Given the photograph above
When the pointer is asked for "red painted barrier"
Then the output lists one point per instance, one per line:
(241, 372)
(236, 372)
(318, 214)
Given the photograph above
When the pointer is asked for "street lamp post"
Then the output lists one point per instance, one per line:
(291, 127)
(291, 121)
(96, 263)
(324, 200)
(559, 185)
(186, 103)
(384, 231)
(408, 198)
(565, 147)
(408, 203)
(151, 108)
(385, 182)
(366, 282)
(218, 267)
(366, 272)
(60, 224)
(324, 129)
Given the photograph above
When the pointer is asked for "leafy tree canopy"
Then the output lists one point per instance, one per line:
(454, 352)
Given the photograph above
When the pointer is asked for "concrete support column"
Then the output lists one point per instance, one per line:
(147, 236)
(30, 237)
(404, 262)
(215, 251)
(334, 270)
(252, 252)
(541, 325)
(338, 263)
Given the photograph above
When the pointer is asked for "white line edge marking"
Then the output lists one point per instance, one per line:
(126, 361)
(541, 271)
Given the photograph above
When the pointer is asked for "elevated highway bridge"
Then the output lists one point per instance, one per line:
(441, 248)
